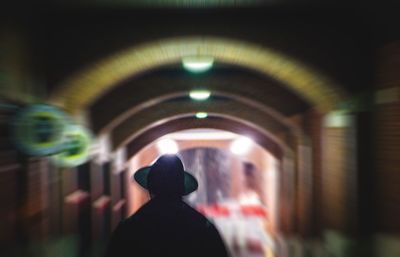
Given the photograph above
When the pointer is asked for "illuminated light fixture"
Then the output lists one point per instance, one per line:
(337, 119)
(201, 115)
(197, 64)
(167, 146)
(200, 95)
(241, 145)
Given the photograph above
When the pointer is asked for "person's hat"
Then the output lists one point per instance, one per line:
(166, 176)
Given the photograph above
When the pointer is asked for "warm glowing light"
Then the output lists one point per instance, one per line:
(200, 95)
(202, 134)
(201, 115)
(167, 146)
(197, 63)
(241, 145)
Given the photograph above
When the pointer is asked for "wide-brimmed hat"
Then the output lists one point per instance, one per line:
(166, 175)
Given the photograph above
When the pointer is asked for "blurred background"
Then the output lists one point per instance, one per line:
(287, 112)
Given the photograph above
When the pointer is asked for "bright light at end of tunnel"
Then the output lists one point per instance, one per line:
(241, 145)
(197, 64)
(201, 115)
(167, 146)
(200, 95)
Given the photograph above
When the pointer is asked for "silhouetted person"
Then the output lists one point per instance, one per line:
(166, 226)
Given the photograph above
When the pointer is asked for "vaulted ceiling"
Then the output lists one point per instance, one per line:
(323, 55)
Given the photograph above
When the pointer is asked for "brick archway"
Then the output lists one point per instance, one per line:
(154, 131)
(81, 89)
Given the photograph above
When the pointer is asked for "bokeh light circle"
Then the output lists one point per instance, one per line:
(38, 129)
(77, 141)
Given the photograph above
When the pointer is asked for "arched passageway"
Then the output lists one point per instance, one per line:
(133, 122)
(296, 84)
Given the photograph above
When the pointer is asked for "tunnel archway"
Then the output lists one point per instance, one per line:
(79, 91)
(156, 130)
(135, 124)
(76, 92)
(285, 154)
(231, 83)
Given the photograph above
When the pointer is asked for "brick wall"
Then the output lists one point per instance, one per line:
(9, 167)
(22, 194)
(334, 176)
(387, 126)
(8, 200)
(339, 179)
(313, 128)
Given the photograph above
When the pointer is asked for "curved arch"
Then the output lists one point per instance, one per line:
(154, 131)
(82, 88)
(235, 106)
(242, 87)
(228, 109)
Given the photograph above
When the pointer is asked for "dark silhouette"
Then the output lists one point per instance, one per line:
(166, 226)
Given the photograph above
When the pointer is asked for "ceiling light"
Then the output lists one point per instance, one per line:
(197, 64)
(241, 145)
(201, 115)
(200, 95)
(167, 146)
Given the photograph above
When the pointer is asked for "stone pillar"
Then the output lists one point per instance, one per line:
(287, 208)
(118, 197)
(339, 182)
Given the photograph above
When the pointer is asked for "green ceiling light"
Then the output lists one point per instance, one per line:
(199, 95)
(201, 115)
(197, 64)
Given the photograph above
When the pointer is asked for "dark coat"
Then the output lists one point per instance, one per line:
(166, 229)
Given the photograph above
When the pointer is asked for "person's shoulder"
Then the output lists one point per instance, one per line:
(197, 215)
(192, 210)
(125, 224)
(134, 218)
